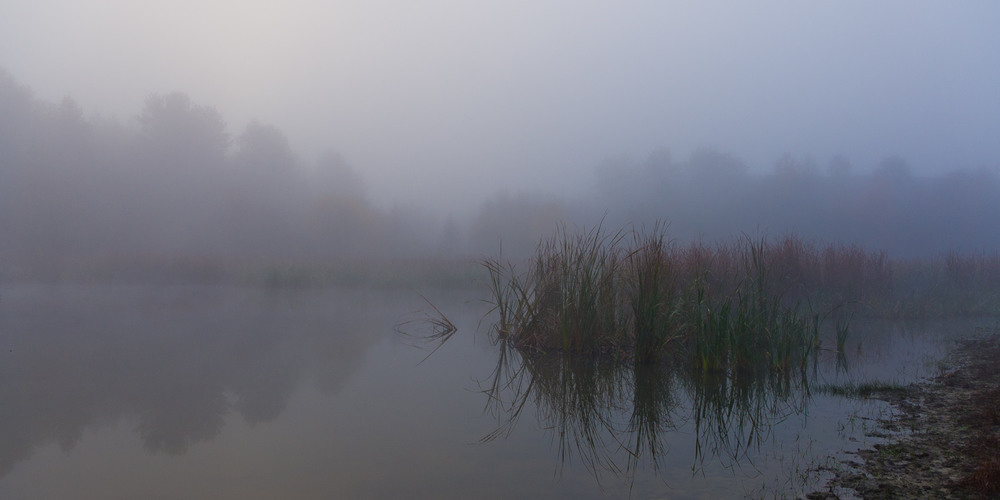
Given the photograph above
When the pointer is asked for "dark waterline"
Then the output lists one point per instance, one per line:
(214, 392)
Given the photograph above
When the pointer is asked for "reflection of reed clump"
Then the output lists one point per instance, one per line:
(617, 417)
(733, 412)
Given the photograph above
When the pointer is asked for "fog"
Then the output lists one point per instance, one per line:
(299, 130)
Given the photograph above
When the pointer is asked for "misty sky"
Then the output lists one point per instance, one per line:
(454, 100)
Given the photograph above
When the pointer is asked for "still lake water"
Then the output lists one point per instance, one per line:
(237, 393)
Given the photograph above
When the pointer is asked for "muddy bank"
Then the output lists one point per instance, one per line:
(944, 440)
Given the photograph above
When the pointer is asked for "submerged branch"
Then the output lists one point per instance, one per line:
(431, 330)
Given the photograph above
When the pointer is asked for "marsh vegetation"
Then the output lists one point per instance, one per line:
(746, 305)
(616, 339)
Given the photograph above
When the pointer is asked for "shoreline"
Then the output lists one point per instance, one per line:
(946, 435)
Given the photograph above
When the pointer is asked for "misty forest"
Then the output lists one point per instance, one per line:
(175, 189)
(202, 288)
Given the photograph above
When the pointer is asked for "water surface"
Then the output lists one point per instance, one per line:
(223, 392)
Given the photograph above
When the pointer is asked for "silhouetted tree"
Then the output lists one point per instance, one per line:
(516, 223)
(789, 168)
(182, 134)
(712, 166)
(334, 176)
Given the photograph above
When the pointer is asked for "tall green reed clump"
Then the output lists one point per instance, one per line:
(653, 287)
(577, 289)
(738, 319)
(570, 299)
(512, 300)
(736, 306)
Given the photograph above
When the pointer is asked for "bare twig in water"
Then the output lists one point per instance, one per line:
(430, 330)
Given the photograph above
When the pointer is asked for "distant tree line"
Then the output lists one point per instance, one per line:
(173, 182)
(714, 196)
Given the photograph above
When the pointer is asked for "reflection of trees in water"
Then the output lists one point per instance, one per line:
(177, 360)
(175, 416)
(616, 417)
